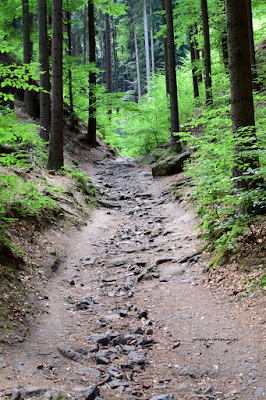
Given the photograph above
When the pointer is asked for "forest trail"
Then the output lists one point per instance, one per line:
(128, 310)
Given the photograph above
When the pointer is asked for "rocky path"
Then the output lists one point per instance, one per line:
(128, 317)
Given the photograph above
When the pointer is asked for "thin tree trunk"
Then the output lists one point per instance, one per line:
(27, 51)
(197, 54)
(207, 52)
(91, 136)
(147, 50)
(101, 55)
(137, 60)
(166, 69)
(255, 84)
(85, 26)
(108, 56)
(152, 41)
(194, 69)
(115, 57)
(124, 72)
(175, 139)
(45, 106)
(242, 108)
(56, 157)
(69, 53)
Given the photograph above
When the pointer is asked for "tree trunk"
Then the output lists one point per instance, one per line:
(152, 41)
(56, 157)
(85, 27)
(108, 56)
(197, 54)
(166, 69)
(242, 109)
(255, 84)
(27, 51)
(91, 135)
(101, 55)
(194, 69)
(175, 139)
(137, 60)
(115, 57)
(207, 52)
(45, 106)
(147, 50)
(69, 53)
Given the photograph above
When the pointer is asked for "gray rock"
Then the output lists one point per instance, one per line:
(102, 358)
(162, 397)
(260, 391)
(114, 384)
(114, 372)
(208, 390)
(136, 330)
(185, 316)
(68, 353)
(92, 393)
(81, 350)
(142, 313)
(32, 392)
(171, 165)
(139, 359)
(117, 262)
(16, 394)
(69, 299)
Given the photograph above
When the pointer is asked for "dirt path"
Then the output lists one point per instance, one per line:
(128, 311)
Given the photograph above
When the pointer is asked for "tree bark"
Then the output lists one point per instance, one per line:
(197, 54)
(175, 139)
(147, 49)
(45, 103)
(152, 40)
(255, 84)
(56, 158)
(108, 56)
(69, 53)
(137, 60)
(91, 134)
(115, 56)
(27, 51)
(242, 108)
(166, 69)
(207, 52)
(194, 69)
(85, 27)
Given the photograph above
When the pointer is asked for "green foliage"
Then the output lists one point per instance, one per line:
(225, 212)
(83, 183)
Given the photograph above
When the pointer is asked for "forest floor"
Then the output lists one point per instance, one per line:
(129, 308)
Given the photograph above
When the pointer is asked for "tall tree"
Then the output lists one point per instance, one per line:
(114, 30)
(255, 84)
(166, 69)
(45, 106)
(147, 47)
(85, 27)
(207, 52)
(137, 60)
(69, 53)
(108, 55)
(242, 108)
(91, 134)
(152, 40)
(193, 59)
(175, 139)
(136, 50)
(56, 157)
(27, 51)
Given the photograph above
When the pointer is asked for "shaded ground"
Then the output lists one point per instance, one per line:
(128, 309)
